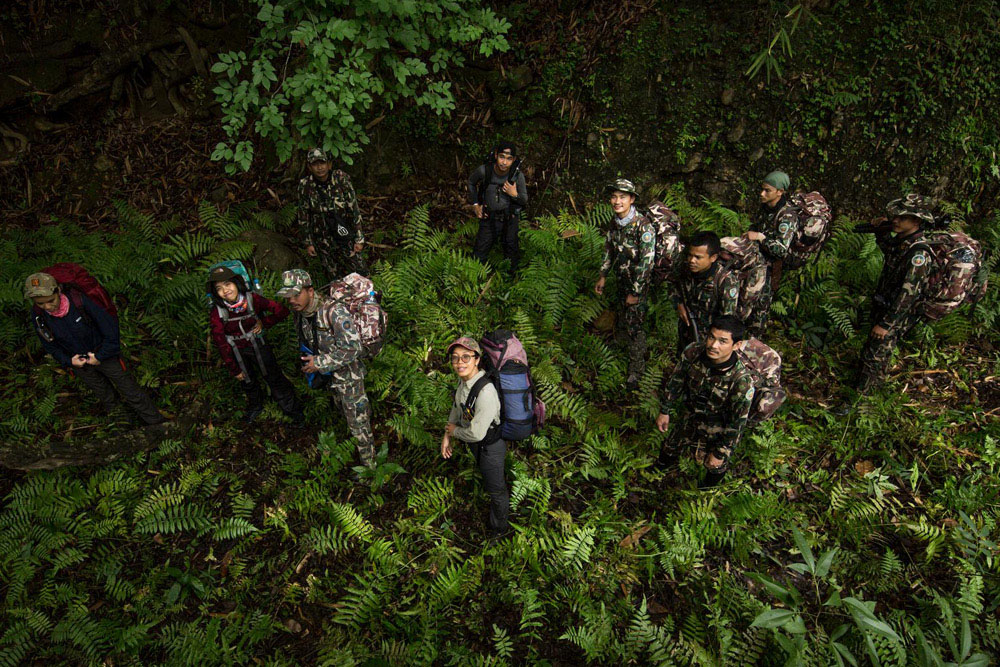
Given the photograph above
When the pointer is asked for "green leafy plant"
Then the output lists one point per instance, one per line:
(316, 72)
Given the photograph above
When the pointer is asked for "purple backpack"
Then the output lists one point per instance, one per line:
(522, 413)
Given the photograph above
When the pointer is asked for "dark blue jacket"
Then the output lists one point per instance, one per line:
(78, 333)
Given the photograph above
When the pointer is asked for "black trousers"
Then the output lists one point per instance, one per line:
(281, 388)
(490, 459)
(498, 226)
(110, 375)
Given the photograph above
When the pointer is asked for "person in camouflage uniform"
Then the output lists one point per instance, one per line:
(703, 290)
(764, 364)
(905, 272)
(327, 330)
(716, 391)
(629, 250)
(774, 229)
(329, 217)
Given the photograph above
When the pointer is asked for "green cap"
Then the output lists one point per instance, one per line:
(622, 185)
(913, 205)
(39, 284)
(293, 282)
(778, 180)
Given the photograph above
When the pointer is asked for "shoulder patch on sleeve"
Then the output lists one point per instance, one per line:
(347, 323)
(783, 228)
(919, 259)
(733, 292)
(647, 237)
(750, 394)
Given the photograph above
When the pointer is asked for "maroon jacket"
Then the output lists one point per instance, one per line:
(268, 312)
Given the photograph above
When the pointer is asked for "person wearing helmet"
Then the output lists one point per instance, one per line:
(237, 321)
(629, 251)
(329, 218)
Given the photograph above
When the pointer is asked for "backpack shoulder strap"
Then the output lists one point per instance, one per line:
(75, 297)
(470, 400)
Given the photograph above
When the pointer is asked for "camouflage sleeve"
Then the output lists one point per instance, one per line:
(740, 400)
(304, 216)
(674, 389)
(342, 344)
(352, 202)
(728, 295)
(645, 256)
(909, 292)
(778, 240)
(608, 258)
(676, 282)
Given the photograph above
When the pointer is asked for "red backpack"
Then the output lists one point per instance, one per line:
(74, 280)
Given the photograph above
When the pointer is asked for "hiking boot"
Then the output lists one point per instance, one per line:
(842, 409)
(497, 536)
(250, 416)
(712, 479)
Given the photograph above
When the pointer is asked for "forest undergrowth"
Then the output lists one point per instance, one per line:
(869, 539)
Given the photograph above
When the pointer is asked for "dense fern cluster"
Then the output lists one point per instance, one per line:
(837, 542)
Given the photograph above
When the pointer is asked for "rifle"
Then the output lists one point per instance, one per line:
(873, 227)
(693, 324)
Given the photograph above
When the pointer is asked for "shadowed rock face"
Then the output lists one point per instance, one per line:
(98, 451)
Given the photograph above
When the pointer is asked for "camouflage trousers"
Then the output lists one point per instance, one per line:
(756, 322)
(338, 261)
(353, 403)
(877, 354)
(698, 437)
(630, 323)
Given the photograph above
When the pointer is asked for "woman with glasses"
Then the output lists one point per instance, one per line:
(475, 420)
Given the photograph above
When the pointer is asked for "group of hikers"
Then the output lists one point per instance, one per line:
(726, 376)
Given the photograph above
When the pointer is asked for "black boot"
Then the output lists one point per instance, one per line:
(712, 479)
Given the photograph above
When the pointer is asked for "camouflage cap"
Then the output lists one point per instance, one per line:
(39, 284)
(316, 155)
(622, 185)
(913, 205)
(468, 343)
(293, 282)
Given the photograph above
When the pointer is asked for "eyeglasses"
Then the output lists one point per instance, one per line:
(464, 358)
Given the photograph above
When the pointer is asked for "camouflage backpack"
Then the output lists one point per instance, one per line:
(815, 218)
(957, 277)
(743, 258)
(764, 365)
(359, 296)
(668, 239)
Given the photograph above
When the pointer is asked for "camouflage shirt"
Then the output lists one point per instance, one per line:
(316, 199)
(764, 364)
(905, 272)
(717, 399)
(779, 226)
(631, 251)
(338, 345)
(706, 295)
